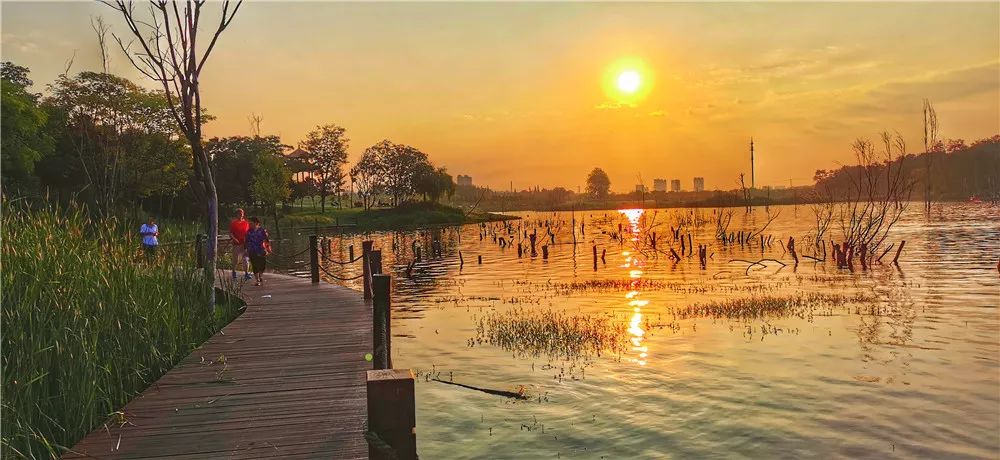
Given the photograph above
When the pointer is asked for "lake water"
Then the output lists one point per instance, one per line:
(646, 357)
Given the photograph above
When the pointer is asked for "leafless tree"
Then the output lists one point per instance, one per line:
(170, 53)
(101, 29)
(877, 195)
(255, 121)
(930, 141)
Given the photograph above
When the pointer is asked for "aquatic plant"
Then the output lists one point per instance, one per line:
(88, 323)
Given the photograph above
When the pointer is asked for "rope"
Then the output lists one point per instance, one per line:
(339, 262)
(331, 275)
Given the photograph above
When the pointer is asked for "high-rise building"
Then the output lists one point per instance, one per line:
(659, 185)
(675, 185)
(462, 179)
(699, 184)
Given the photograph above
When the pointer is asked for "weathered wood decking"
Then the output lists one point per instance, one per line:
(284, 380)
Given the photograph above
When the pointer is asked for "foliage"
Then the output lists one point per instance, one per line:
(365, 174)
(116, 141)
(327, 147)
(88, 326)
(433, 183)
(24, 138)
(269, 184)
(235, 161)
(598, 183)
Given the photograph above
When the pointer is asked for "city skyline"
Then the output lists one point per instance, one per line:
(519, 92)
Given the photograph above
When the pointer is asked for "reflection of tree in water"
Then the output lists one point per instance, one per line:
(885, 334)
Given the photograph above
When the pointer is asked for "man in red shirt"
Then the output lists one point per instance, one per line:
(238, 229)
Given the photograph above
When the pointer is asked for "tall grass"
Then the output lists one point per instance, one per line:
(88, 323)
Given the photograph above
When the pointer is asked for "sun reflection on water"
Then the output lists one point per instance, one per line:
(634, 264)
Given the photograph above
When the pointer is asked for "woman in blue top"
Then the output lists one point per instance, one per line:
(258, 245)
(149, 233)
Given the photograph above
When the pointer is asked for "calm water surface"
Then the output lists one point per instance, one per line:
(886, 362)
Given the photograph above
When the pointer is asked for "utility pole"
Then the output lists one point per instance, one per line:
(753, 183)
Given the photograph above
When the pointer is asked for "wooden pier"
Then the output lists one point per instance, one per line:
(287, 379)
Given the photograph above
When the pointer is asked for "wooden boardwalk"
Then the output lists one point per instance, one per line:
(284, 380)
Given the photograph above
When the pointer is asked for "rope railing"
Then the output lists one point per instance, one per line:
(346, 262)
(338, 278)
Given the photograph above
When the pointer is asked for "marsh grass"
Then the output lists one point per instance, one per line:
(88, 323)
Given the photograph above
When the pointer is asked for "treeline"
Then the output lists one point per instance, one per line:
(956, 172)
(101, 140)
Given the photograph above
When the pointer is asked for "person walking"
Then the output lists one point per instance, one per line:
(149, 233)
(258, 244)
(238, 229)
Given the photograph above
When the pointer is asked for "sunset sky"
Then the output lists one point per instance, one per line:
(526, 92)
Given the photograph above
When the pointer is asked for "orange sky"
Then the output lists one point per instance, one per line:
(515, 92)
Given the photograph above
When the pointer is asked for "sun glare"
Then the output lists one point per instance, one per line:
(629, 81)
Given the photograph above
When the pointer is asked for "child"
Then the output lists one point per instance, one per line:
(258, 245)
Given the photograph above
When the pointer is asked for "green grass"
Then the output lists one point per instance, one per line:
(408, 215)
(88, 323)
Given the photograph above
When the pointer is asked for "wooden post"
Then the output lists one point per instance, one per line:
(366, 274)
(416, 253)
(545, 252)
(381, 322)
(461, 260)
(392, 413)
(604, 252)
(899, 250)
(350, 252)
(199, 250)
(313, 259)
(595, 257)
(375, 265)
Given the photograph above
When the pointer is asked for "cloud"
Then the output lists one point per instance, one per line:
(657, 113)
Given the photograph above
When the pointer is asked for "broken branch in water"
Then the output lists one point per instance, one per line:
(759, 262)
(507, 394)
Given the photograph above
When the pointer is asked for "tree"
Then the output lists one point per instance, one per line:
(433, 183)
(170, 55)
(365, 174)
(399, 165)
(234, 163)
(118, 139)
(598, 183)
(327, 147)
(269, 184)
(23, 140)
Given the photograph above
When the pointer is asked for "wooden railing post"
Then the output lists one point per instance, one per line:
(375, 265)
(313, 259)
(381, 322)
(366, 274)
(392, 414)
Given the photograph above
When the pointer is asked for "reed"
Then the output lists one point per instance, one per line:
(88, 323)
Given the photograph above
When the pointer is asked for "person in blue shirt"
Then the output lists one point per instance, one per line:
(149, 232)
(258, 245)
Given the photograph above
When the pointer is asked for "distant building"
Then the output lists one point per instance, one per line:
(675, 185)
(640, 188)
(659, 185)
(699, 184)
(462, 179)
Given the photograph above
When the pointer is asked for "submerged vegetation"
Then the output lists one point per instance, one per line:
(88, 323)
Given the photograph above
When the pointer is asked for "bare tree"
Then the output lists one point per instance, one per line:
(169, 53)
(876, 197)
(255, 120)
(930, 141)
(101, 29)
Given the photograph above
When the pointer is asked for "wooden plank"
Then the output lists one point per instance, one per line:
(284, 380)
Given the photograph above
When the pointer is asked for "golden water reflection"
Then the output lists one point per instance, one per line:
(634, 264)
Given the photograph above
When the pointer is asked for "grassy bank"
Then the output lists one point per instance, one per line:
(406, 216)
(88, 323)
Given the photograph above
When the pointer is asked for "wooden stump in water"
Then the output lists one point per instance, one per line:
(545, 252)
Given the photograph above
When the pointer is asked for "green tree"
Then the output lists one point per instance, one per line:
(269, 184)
(598, 183)
(116, 140)
(365, 175)
(327, 147)
(24, 138)
(234, 163)
(433, 183)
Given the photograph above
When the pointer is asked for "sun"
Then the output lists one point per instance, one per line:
(629, 81)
